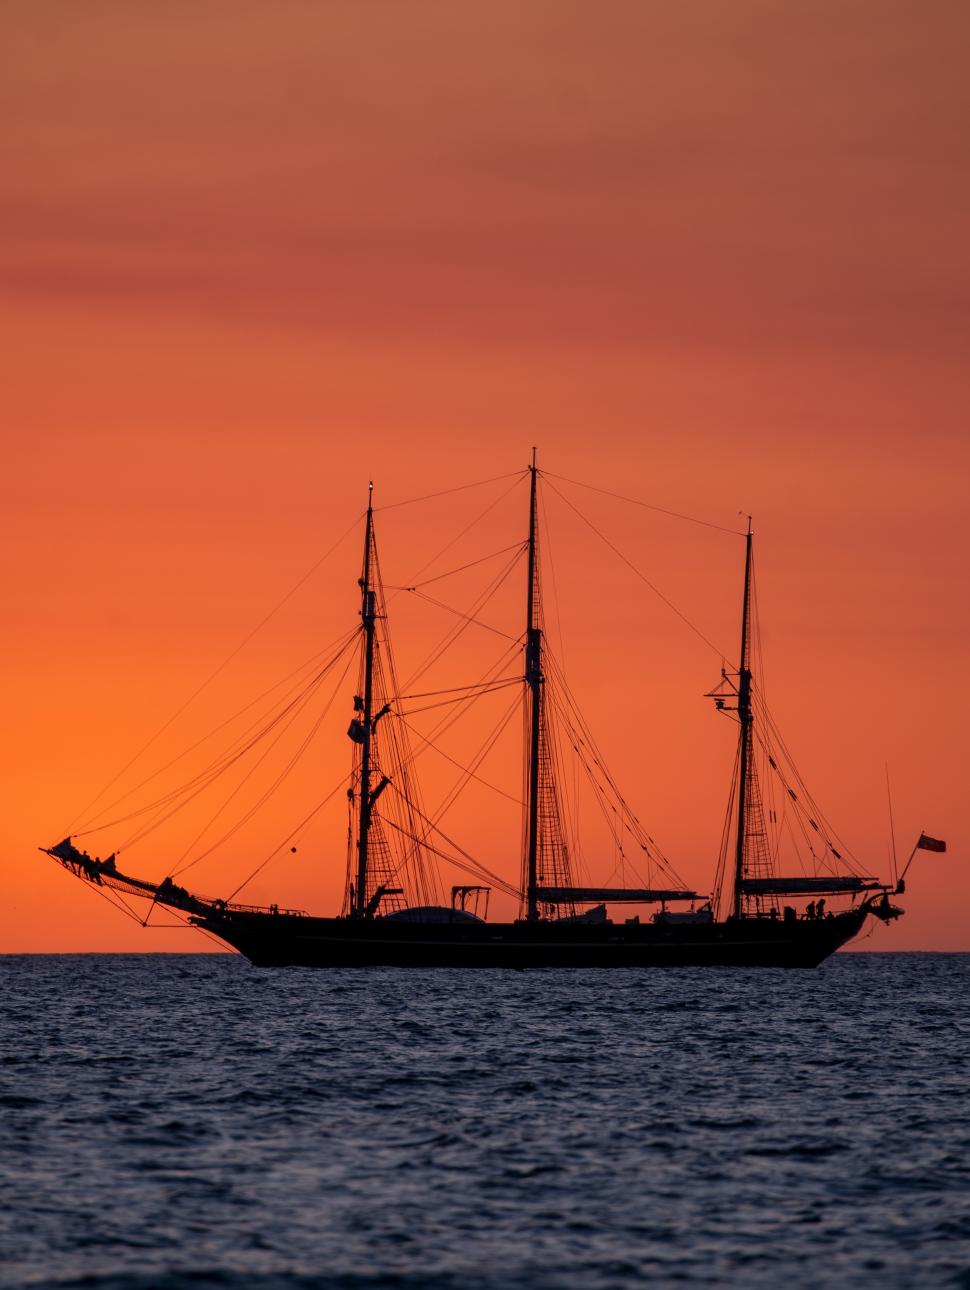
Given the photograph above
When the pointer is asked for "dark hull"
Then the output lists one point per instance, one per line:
(281, 940)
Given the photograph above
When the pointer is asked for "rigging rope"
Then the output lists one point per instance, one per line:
(292, 712)
(642, 576)
(209, 679)
(289, 838)
(342, 641)
(843, 852)
(445, 492)
(224, 761)
(449, 799)
(441, 752)
(547, 549)
(477, 867)
(462, 691)
(468, 527)
(272, 788)
(513, 546)
(691, 519)
(446, 703)
(393, 758)
(468, 619)
(585, 735)
(453, 633)
(469, 700)
(720, 874)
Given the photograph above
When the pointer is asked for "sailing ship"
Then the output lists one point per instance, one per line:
(393, 915)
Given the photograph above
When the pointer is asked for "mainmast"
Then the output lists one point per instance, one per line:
(533, 679)
(368, 614)
(746, 719)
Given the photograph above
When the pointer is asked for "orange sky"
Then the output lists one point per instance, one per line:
(710, 255)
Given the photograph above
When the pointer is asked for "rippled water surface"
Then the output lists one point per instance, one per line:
(183, 1121)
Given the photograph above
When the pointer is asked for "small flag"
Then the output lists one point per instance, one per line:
(926, 843)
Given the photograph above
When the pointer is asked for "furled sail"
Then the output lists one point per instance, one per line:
(616, 895)
(830, 886)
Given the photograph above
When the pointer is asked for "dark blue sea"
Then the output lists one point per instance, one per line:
(190, 1121)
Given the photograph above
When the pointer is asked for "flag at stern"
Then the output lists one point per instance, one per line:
(926, 843)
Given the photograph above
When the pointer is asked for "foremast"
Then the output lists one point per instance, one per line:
(368, 615)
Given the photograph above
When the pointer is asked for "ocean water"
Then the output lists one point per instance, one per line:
(182, 1121)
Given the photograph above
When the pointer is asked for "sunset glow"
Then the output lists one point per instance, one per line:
(710, 257)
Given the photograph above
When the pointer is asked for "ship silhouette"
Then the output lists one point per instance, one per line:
(393, 914)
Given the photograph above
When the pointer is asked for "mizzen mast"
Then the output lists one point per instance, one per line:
(746, 720)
